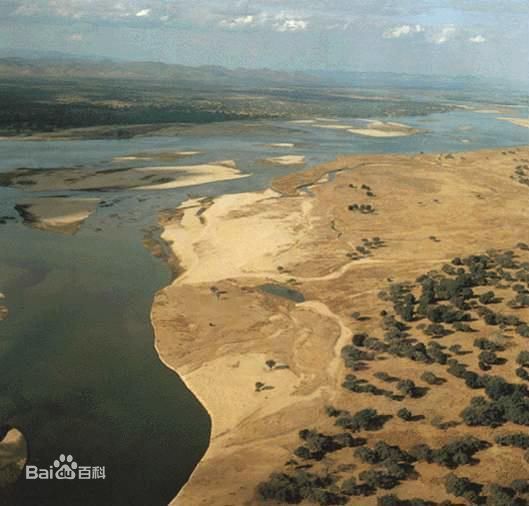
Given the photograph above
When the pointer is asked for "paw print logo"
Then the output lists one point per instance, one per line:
(65, 467)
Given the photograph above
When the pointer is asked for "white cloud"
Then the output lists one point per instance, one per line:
(284, 23)
(477, 39)
(402, 31)
(239, 22)
(75, 37)
(143, 13)
(279, 23)
(444, 35)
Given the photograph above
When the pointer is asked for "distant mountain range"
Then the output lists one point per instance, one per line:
(53, 65)
(57, 65)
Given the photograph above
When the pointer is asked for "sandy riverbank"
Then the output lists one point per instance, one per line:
(217, 329)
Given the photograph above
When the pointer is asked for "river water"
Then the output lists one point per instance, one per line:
(78, 371)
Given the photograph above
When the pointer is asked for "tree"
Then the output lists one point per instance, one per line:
(487, 297)
(271, 363)
(523, 358)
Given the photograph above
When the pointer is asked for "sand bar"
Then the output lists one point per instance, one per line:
(150, 177)
(522, 122)
(13, 456)
(57, 214)
(287, 160)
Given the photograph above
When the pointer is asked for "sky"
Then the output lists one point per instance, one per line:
(448, 37)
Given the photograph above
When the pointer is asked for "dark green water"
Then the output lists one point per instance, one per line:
(283, 291)
(80, 376)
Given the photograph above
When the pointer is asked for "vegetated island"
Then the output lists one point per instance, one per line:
(364, 343)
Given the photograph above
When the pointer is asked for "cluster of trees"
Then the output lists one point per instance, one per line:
(300, 485)
(518, 440)
(452, 455)
(317, 445)
(463, 487)
(492, 495)
(365, 419)
(352, 355)
(507, 402)
(393, 500)
(362, 386)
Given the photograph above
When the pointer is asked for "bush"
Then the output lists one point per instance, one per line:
(432, 379)
(522, 373)
(523, 330)
(463, 487)
(523, 358)
(490, 358)
(487, 298)
(405, 414)
(462, 327)
(518, 440)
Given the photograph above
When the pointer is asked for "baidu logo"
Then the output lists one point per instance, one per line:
(65, 468)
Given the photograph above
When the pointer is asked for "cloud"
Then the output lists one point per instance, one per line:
(477, 39)
(239, 22)
(444, 35)
(279, 23)
(284, 23)
(75, 37)
(143, 13)
(402, 31)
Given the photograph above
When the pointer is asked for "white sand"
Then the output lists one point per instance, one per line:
(522, 122)
(373, 132)
(191, 175)
(287, 160)
(153, 156)
(281, 145)
(335, 126)
(231, 240)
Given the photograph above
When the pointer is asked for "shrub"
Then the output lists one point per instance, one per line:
(523, 330)
(522, 373)
(487, 297)
(523, 358)
(518, 440)
(405, 414)
(432, 379)
(463, 487)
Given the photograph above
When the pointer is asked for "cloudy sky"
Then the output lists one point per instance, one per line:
(480, 37)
